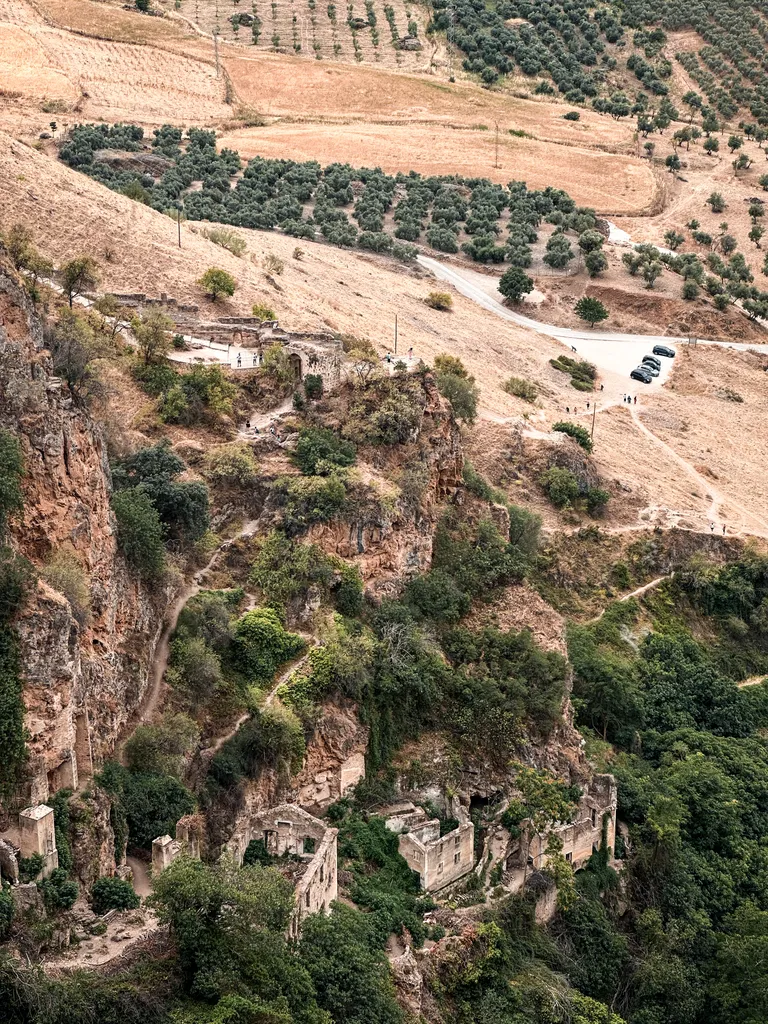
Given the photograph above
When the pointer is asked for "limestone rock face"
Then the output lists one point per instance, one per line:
(335, 758)
(83, 681)
(390, 547)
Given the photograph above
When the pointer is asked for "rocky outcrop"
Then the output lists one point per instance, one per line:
(390, 541)
(82, 682)
(335, 757)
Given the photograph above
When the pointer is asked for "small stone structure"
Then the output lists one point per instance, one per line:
(37, 835)
(310, 352)
(583, 836)
(437, 860)
(309, 849)
(188, 841)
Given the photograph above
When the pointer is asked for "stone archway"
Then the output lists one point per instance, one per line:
(294, 360)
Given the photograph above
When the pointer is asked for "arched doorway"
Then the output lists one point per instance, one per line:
(294, 360)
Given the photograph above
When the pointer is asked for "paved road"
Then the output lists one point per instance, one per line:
(463, 282)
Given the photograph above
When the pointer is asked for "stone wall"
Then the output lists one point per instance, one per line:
(438, 860)
(318, 886)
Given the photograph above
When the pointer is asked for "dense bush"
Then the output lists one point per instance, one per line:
(112, 894)
(11, 473)
(139, 531)
(577, 432)
(319, 449)
(261, 644)
(58, 892)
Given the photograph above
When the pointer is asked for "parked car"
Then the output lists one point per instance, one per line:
(652, 361)
(664, 350)
(650, 368)
(641, 373)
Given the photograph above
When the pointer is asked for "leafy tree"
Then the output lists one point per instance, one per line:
(153, 336)
(673, 163)
(139, 531)
(348, 968)
(590, 240)
(673, 239)
(711, 145)
(514, 284)
(590, 310)
(162, 748)
(79, 275)
(716, 202)
(735, 142)
(216, 282)
(58, 892)
(73, 349)
(596, 262)
(113, 894)
(232, 464)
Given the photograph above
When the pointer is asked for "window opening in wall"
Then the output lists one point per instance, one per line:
(457, 857)
(322, 873)
(440, 868)
(309, 845)
(456, 840)
(306, 898)
(569, 857)
(594, 817)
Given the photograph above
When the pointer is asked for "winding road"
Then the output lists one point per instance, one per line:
(463, 282)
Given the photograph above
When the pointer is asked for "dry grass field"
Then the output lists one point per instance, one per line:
(612, 184)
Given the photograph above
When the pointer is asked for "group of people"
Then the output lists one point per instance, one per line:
(389, 357)
(257, 359)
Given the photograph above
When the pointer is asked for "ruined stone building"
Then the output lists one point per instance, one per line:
(595, 817)
(437, 860)
(309, 351)
(304, 849)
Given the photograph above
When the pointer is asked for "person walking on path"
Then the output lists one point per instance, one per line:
(410, 354)
(239, 359)
(635, 399)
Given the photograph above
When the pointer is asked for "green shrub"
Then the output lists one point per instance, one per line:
(461, 391)
(577, 432)
(113, 894)
(216, 282)
(162, 748)
(521, 388)
(440, 300)
(227, 239)
(6, 912)
(318, 450)
(313, 386)
(152, 803)
(262, 312)
(11, 472)
(272, 738)
(232, 464)
(256, 853)
(156, 378)
(479, 486)
(12, 732)
(139, 531)
(308, 500)
(348, 589)
(437, 596)
(261, 644)
(572, 115)
(30, 867)
(16, 574)
(57, 891)
(561, 486)
(597, 498)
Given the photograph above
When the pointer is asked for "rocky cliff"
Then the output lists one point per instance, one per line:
(82, 679)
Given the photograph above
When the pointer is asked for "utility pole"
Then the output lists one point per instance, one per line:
(496, 163)
(395, 333)
(178, 220)
(594, 414)
(216, 47)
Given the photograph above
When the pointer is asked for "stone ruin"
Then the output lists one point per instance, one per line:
(36, 835)
(307, 851)
(437, 860)
(309, 351)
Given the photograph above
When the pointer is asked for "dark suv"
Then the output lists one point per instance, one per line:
(640, 373)
(664, 350)
(652, 361)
